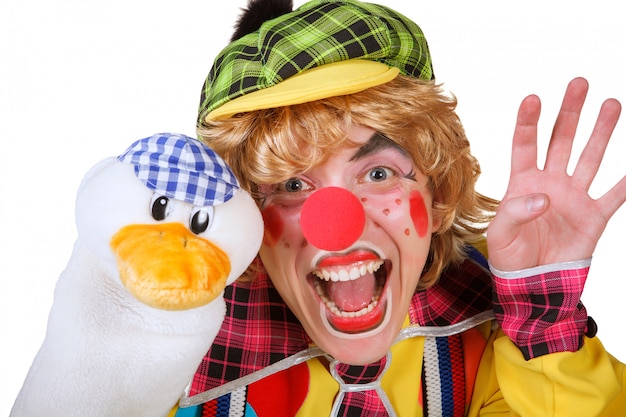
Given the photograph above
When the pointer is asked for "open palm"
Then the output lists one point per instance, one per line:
(547, 215)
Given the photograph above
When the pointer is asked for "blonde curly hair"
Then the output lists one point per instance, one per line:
(269, 146)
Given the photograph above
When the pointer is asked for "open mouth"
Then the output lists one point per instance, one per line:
(351, 289)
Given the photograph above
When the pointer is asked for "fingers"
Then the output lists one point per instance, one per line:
(561, 141)
(524, 152)
(592, 154)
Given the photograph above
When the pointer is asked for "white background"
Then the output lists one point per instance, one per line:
(81, 79)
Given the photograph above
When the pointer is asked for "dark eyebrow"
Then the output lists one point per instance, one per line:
(377, 142)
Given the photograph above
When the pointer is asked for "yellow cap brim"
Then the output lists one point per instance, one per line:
(330, 80)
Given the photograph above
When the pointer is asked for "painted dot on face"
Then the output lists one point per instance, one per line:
(419, 213)
(273, 226)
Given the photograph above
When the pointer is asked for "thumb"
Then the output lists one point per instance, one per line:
(513, 214)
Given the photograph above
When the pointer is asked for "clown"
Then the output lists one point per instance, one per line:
(373, 295)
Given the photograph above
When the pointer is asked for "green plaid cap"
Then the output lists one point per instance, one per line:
(317, 33)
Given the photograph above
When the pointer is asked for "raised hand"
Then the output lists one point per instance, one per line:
(546, 215)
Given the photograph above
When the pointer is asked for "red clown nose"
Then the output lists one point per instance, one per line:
(332, 218)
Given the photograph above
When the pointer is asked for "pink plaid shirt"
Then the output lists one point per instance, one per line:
(540, 308)
(541, 313)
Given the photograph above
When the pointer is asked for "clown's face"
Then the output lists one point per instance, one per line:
(346, 242)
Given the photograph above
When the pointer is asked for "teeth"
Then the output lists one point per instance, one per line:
(354, 273)
(348, 274)
(330, 305)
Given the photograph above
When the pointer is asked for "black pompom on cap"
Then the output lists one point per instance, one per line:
(257, 12)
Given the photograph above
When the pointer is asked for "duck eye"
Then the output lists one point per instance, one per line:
(160, 207)
(200, 219)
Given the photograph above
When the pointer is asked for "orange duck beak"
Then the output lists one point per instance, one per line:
(167, 267)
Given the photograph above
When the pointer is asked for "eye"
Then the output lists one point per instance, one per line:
(293, 185)
(378, 174)
(200, 219)
(288, 193)
(160, 207)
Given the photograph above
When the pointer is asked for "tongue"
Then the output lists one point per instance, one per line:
(352, 295)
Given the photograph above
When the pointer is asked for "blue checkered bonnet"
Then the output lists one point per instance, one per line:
(182, 168)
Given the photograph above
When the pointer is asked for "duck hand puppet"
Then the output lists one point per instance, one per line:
(162, 229)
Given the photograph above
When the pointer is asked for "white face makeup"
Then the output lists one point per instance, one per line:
(346, 242)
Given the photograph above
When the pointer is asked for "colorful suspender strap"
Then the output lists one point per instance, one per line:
(444, 372)
(229, 405)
